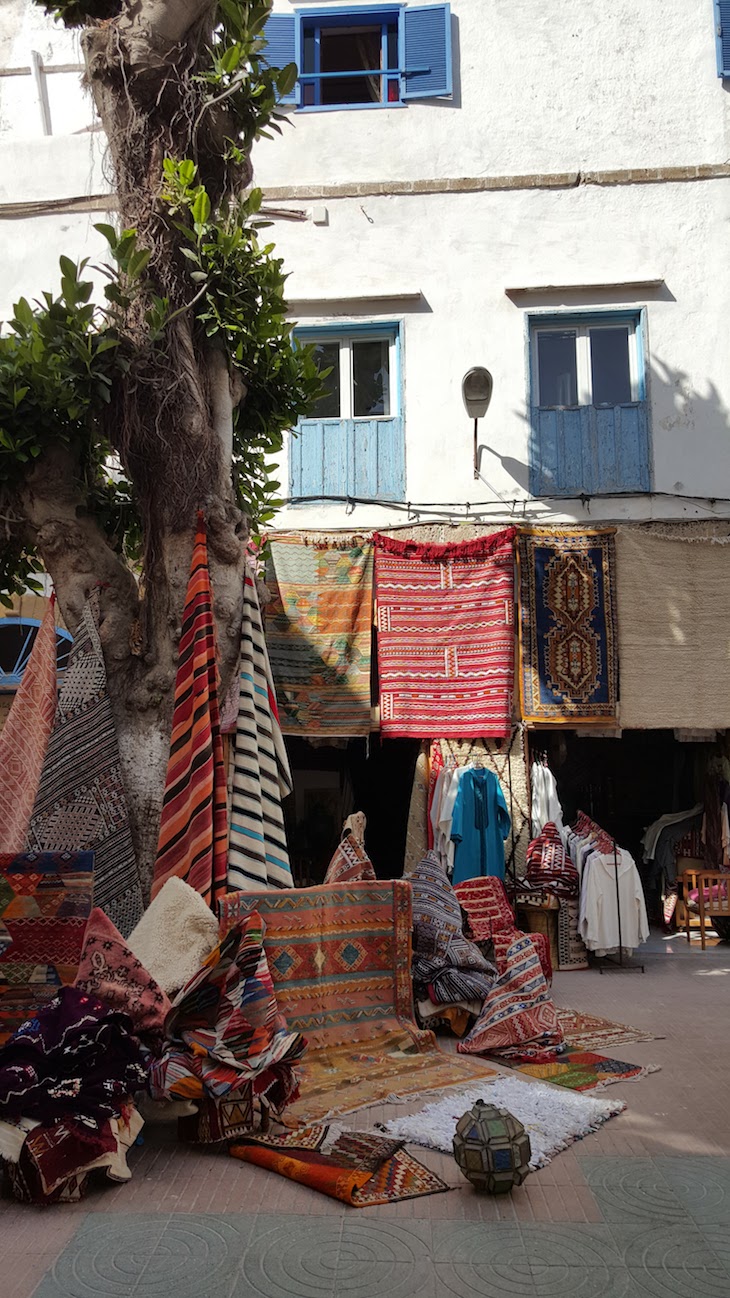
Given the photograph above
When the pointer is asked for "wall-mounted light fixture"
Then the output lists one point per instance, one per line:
(476, 389)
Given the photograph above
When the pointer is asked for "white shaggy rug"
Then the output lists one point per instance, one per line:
(552, 1117)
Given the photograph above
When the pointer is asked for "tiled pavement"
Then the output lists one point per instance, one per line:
(640, 1208)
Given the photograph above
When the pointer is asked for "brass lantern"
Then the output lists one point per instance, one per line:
(492, 1149)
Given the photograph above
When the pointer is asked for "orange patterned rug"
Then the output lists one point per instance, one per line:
(589, 1032)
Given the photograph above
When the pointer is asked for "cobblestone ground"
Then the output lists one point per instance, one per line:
(641, 1208)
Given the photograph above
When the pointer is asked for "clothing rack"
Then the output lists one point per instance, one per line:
(608, 845)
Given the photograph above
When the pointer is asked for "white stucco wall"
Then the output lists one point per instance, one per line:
(569, 86)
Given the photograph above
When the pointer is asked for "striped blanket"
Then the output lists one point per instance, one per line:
(257, 851)
(194, 824)
(81, 804)
(445, 636)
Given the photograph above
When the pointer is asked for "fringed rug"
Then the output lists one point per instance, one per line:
(568, 636)
(589, 1032)
(81, 804)
(359, 1168)
(257, 850)
(552, 1119)
(445, 618)
(572, 952)
(45, 901)
(319, 629)
(582, 1070)
(193, 840)
(25, 735)
(340, 958)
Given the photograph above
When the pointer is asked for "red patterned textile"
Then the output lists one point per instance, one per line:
(445, 618)
(110, 971)
(436, 763)
(518, 1017)
(491, 919)
(350, 863)
(549, 865)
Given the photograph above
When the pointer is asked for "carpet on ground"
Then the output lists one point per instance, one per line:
(318, 631)
(582, 1070)
(25, 735)
(360, 1168)
(340, 958)
(81, 804)
(553, 1119)
(45, 901)
(589, 1032)
(674, 611)
(257, 850)
(445, 621)
(193, 841)
(568, 634)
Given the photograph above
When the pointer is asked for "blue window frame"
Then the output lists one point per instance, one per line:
(364, 57)
(722, 36)
(353, 444)
(589, 426)
(17, 637)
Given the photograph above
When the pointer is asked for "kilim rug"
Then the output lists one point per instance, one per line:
(568, 636)
(589, 1032)
(81, 804)
(25, 735)
(572, 952)
(193, 842)
(319, 629)
(518, 1017)
(45, 901)
(340, 958)
(582, 1070)
(357, 1167)
(257, 850)
(445, 617)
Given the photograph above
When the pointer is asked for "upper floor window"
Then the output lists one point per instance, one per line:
(722, 35)
(352, 443)
(17, 637)
(588, 405)
(364, 57)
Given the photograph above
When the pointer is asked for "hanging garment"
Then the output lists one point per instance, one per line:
(25, 735)
(653, 832)
(257, 850)
(81, 805)
(546, 806)
(194, 823)
(599, 922)
(479, 826)
(417, 831)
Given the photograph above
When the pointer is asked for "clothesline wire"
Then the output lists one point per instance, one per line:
(472, 509)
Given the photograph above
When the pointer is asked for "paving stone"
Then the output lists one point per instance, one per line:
(653, 1246)
(105, 1258)
(551, 1245)
(702, 1185)
(581, 1282)
(484, 1281)
(677, 1284)
(499, 1246)
(627, 1188)
(290, 1257)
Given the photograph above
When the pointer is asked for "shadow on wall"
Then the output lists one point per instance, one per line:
(686, 427)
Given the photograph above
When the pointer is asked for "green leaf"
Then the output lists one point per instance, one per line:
(68, 268)
(186, 171)
(137, 262)
(108, 232)
(286, 78)
(200, 208)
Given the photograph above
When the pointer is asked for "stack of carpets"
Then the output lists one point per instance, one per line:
(451, 976)
(340, 958)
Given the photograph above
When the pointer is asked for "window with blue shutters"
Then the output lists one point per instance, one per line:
(588, 410)
(364, 57)
(722, 32)
(353, 442)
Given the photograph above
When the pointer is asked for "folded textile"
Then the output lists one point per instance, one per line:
(491, 919)
(518, 1015)
(219, 1119)
(55, 1160)
(447, 967)
(549, 866)
(225, 1029)
(359, 1168)
(81, 803)
(349, 863)
(109, 970)
(75, 1058)
(257, 848)
(25, 735)
(174, 936)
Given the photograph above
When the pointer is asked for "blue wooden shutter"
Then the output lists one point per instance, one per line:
(722, 8)
(427, 51)
(280, 32)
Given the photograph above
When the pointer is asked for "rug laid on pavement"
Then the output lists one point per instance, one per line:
(582, 1070)
(81, 804)
(589, 1032)
(357, 1167)
(340, 958)
(257, 851)
(553, 1119)
(445, 619)
(45, 901)
(25, 735)
(193, 842)
(319, 630)
(568, 632)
